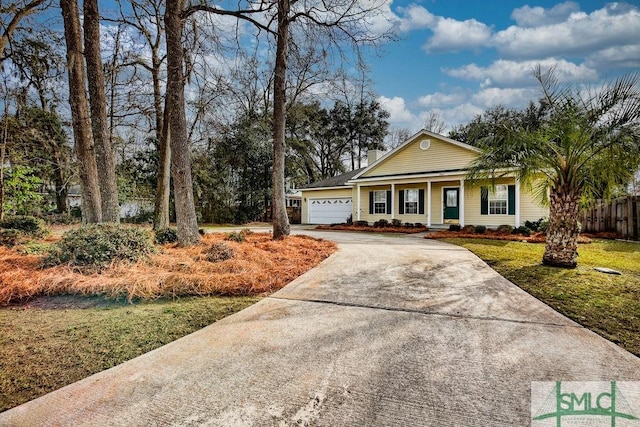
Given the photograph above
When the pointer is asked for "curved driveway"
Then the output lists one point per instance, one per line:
(388, 331)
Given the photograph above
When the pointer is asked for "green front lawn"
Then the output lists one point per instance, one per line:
(57, 341)
(607, 304)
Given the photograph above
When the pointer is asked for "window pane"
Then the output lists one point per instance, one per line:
(501, 192)
(380, 196)
(411, 196)
(452, 198)
(411, 208)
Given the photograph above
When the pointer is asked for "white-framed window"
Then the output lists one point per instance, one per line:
(498, 200)
(380, 202)
(411, 201)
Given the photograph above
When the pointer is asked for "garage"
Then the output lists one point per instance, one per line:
(330, 210)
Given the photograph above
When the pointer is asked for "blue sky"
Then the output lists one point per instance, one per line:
(460, 57)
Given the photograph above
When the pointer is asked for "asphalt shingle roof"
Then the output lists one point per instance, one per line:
(336, 181)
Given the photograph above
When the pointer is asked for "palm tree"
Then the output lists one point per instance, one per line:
(586, 143)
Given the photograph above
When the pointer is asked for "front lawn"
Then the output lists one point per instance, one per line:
(55, 341)
(607, 304)
(61, 323)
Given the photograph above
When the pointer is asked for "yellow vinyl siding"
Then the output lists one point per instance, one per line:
(530, 209)
(440, 156)
(320, 194)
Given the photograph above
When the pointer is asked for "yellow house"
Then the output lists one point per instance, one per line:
(420, 181)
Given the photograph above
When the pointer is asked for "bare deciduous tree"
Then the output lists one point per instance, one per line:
(180, 151)
(105, 156)
(81, 120)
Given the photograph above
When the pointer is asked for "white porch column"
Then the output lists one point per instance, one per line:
(358, 202)
(428, 203)
(517, 219)
(393, 200)
(461, 203)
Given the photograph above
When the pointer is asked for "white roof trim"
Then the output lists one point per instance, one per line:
(410, 140)
(341, 187)
(418, 176)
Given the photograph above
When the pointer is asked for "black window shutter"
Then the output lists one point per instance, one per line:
(388, 202)
(484, 201)
(421, 201)
(512, 200)
(370, 202)
(401, 211)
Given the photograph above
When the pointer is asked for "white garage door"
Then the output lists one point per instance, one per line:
(329, 211)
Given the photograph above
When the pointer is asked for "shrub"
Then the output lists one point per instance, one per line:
(236, 236)
(10, 237)
(543, 225)
(381, 223)
(480, 229)
(362, 223)
(60, 218)
(454, 227)
(533, 225)
(219, 252)
(418, 225)
(140, 217)
(350, 219)
(28, 225)
(396, 222)
(470, 229)
(505, 228)
(98, 245)
(408, 225)
(525, 231)
(166, 235)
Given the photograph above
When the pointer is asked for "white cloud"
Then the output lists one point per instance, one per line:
(509, 97)
(416, 17)
(452, 35)
(615, 57)
(614, 25)
(397, 108)
(528, 16)
(440, 99)
(514, 73)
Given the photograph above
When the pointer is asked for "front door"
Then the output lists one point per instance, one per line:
(451, 200)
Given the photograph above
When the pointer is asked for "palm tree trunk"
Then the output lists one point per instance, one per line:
(563, 228)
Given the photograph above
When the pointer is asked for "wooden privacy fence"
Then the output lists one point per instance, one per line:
(620, 215)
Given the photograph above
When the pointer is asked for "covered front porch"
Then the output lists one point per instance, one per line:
(433, 201)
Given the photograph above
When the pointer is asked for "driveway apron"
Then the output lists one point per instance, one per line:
(390, 330)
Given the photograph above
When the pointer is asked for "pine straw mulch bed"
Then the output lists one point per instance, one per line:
(260, 266)
(371, 229)
(496, 235)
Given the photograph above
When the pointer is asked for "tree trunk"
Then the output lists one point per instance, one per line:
(180, 157)
(281, 227)
(105, 157)
(563, 230)
(91, 204)
(163, 187)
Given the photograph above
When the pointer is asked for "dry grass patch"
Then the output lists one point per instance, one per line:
(259, 266)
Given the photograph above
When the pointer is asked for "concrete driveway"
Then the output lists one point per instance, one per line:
(388, 331)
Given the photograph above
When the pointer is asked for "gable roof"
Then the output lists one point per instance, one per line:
(411, 139)
(336, 181)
